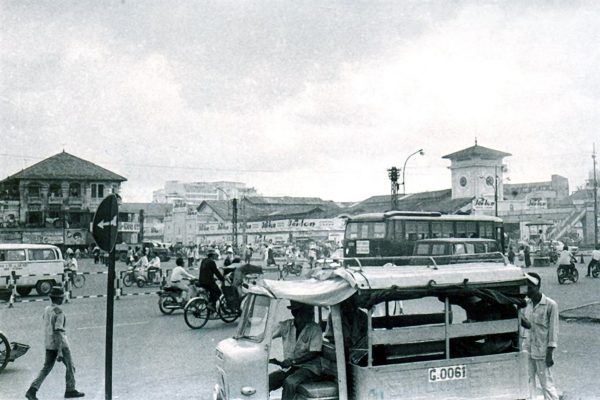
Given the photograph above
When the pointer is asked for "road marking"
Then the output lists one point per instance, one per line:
(116, 325)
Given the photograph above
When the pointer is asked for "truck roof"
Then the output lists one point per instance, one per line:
(328, 287)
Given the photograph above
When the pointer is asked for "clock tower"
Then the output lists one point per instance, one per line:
(476, 171)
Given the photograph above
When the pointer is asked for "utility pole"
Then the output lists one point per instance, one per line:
(393, 175)
(496, 190)
(234, 220)
(595, 199)
(244, 237)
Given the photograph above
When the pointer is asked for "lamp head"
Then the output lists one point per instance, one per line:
(421, 152)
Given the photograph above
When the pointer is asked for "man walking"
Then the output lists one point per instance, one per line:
(541, 321)
(57, 347)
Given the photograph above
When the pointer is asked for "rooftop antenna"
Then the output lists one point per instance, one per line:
(475, 140)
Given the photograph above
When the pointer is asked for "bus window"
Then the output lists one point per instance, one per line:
(472, 229)
(417, 230)
(470, 247)
(398, 232)
(461, 229)
(492, 247)
(378, 230)
(486, 230)
(363, 231)
(436, 230)
(479, 247)
(352, 231)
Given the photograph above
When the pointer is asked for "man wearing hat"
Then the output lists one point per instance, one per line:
(57, 346)
(206, 278)
(541, 322)
(302, 341)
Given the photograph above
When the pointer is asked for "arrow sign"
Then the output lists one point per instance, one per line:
(102, 224)
(105, 224)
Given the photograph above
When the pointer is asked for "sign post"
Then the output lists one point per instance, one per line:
(104, 230)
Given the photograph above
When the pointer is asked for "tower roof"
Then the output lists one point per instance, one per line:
(66, 166)
(480, 151)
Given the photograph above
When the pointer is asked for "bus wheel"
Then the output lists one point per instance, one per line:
(43, 287)
(24, 290)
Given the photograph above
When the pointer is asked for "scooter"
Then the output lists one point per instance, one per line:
(10, 351)
(170, 298)
(133, 275)
(567, 273)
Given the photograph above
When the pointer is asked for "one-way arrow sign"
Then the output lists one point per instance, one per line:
(105, 224)
(102, 224)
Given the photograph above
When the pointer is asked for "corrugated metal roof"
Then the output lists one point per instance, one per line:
(66, 166)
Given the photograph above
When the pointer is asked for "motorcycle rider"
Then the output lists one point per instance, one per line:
(206, 278)
(154, 270)
(179, 276)
(565, 258)
(142, 263)
(595, 260)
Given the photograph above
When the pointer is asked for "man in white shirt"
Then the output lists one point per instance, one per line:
(180, 278)
(565, 257)
(154, 271)
(594, 261)
(541, 320)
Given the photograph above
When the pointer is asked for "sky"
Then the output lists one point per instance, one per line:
(299, 98)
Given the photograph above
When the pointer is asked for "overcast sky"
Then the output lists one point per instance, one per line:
(300, 98)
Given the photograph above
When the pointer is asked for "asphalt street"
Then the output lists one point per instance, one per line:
(159, 357)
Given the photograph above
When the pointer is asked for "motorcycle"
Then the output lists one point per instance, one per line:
(567, 273)
(133, 275)
(289, 268)
(170, 297)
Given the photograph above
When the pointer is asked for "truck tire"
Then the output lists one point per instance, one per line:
(43, 287)
(24, 290)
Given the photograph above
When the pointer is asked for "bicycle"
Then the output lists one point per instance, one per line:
(197, 313)
(77, 280)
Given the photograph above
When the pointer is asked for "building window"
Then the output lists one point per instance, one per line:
(33, 190)
(34, 218)
(97, 190)
(75, 190)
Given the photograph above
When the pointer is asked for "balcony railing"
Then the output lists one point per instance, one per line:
(55, 200)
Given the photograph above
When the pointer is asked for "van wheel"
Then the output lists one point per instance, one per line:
(24, 291)
(43, 287)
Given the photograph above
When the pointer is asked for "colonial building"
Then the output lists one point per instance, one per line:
(54, 200)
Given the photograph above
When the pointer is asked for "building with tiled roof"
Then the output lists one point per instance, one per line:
(53, 201)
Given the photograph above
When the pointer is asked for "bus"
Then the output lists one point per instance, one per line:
(380, 237)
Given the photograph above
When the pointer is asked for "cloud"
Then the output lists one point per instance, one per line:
(314, 100)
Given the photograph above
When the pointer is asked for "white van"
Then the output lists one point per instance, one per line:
(44, 261)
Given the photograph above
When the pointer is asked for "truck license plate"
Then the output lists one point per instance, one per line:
(447, 373)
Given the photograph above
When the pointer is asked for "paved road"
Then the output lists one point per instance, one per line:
(159, 357)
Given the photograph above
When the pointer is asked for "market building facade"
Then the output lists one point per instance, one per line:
(54, 200)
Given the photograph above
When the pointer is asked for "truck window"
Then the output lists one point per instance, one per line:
(438, 249)
(422, 249)
(254, 320)
(459, 248)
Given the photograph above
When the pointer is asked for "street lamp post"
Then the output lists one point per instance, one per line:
(421, 152)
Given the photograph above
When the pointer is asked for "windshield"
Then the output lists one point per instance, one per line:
(254, 318)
